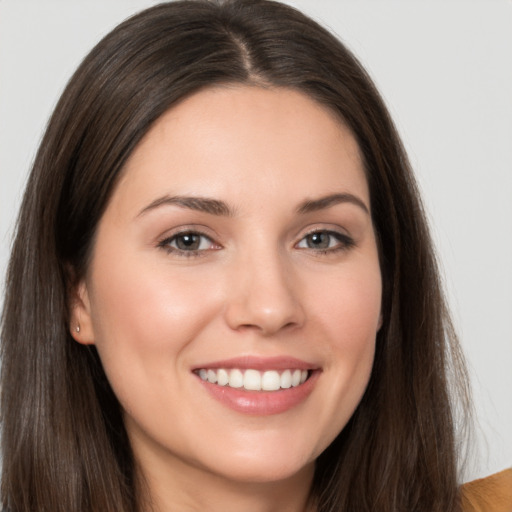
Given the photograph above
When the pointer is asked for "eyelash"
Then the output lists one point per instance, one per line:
(344, 243)
(166, 244)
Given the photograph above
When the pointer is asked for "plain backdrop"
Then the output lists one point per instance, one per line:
(445, 71)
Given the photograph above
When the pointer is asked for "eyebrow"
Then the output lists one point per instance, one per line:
(220, 208)
(313, 205)
(201, 204)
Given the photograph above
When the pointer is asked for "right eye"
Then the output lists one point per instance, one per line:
(188, 243)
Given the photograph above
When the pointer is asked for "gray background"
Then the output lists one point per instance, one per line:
(445, 70)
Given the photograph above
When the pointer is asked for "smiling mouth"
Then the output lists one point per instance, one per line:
(254, 380)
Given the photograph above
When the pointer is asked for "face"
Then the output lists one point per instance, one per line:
(234, 290)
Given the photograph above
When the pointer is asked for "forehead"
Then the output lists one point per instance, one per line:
(240, 141)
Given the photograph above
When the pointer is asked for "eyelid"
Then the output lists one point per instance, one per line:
(346, 241)
(165, 240)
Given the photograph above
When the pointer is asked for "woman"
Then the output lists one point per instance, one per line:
(234, 301)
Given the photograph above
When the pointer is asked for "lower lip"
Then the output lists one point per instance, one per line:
(261, 403)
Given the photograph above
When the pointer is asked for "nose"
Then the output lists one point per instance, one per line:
(264, 296)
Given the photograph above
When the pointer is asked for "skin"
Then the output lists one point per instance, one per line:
(257, 286)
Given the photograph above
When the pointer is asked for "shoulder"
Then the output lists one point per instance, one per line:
(491, 494)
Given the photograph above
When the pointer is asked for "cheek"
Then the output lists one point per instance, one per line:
(347, 321)
(143, 313)
(349, 307)
(357, 324)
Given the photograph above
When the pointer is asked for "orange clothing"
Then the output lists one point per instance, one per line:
(491, 494)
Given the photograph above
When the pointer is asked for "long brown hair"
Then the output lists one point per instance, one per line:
(64, 445)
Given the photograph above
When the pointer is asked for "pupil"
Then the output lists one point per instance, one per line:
(319, 240)
(188, 242)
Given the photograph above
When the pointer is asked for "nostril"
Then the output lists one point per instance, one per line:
(263, 301)
(265, 328)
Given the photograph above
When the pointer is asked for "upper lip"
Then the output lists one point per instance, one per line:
(259, 363)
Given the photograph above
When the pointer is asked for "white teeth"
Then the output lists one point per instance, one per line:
(236, 379)
(270, 381)
(254, 380)
(286, 379)
(296, 378)
(222, 377)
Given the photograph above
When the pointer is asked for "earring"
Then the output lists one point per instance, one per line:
(77, 328)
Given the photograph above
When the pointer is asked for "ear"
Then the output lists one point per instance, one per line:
(381, 320)
(81, 322)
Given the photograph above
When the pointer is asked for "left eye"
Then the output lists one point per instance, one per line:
(324, 240)
(188, 242)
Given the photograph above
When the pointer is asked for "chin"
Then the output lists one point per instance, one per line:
(262, 461)
(258, 471)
